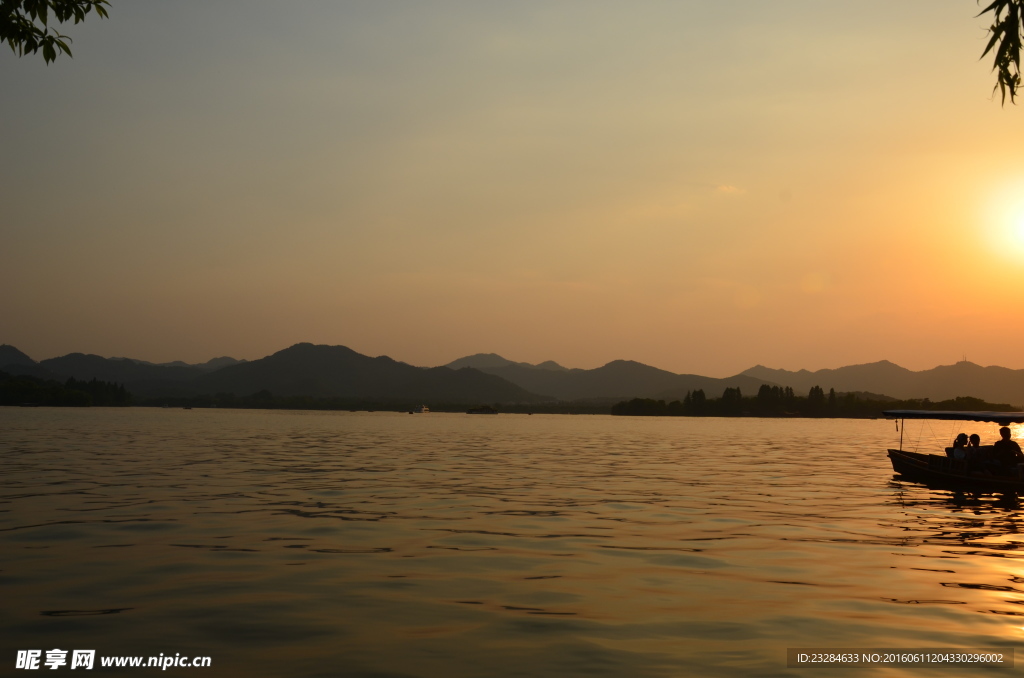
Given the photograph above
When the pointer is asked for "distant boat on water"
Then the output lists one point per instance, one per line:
(483, 409)
(423, 409)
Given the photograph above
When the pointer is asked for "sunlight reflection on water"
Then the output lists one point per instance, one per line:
(298, 543)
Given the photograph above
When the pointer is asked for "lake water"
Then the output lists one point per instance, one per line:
(388, 545)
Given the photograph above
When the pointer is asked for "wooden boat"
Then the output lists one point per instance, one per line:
(940, 470)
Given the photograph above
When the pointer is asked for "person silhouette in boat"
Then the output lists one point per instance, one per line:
(957, 451)
(1006, 451)
(974, 440)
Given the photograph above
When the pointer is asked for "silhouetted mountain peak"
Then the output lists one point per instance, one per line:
(491, 361)
(212, 364)
(771, 374)
(629, 366)
(12, 356)
(620, 363)
(308, 350)
(962, 365)
(307, 356)
(551, 365)
(480, 360)
(217, 363)
(337, 371)
(297, 349)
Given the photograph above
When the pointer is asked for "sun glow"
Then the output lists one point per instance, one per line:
(1017, 227)
(1007, 218)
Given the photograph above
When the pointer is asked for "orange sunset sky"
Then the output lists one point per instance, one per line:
(699, 186)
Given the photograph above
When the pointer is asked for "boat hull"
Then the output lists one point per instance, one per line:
(939, 471)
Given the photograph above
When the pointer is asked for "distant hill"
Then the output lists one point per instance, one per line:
(994, 384)
(487, 361)
(301, 370)
(120, 370)
(340, 372)
(217, 363)
(138, 376)
(14, 362)
(213, 364)
(12, 356)
(619, 379)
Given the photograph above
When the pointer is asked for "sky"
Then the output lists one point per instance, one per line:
(698, 186)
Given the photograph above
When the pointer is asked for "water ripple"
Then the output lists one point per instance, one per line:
(505, 546)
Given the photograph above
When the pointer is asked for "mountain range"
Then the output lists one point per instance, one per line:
(339, 372)
(618, 380)
(994, 384)
(300, 370)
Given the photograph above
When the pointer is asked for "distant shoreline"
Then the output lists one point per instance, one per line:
(776, 403)
(564, 411)
(771, 401)
(337, 377)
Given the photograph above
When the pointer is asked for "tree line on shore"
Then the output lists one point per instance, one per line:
(28, 390)
(770, 401)
(266, 400)
(782, 401)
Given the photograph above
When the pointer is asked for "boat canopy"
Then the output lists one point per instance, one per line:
(997, 417)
